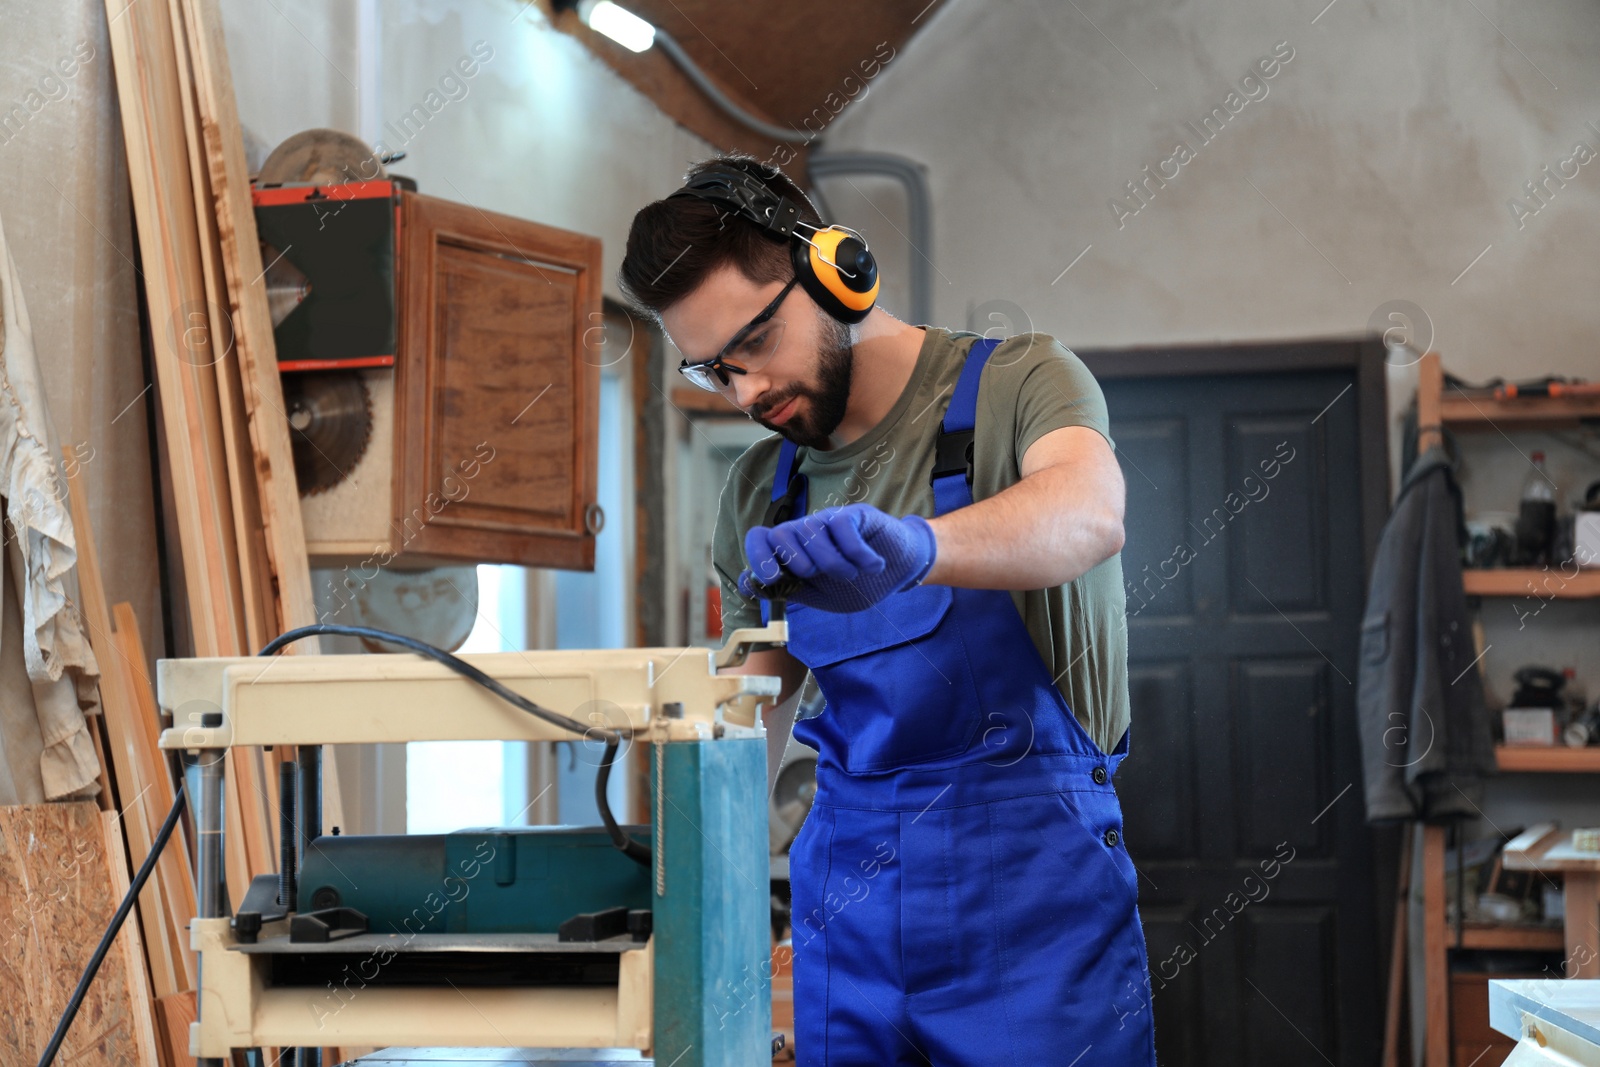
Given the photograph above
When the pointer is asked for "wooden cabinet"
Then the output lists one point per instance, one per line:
(488, 449)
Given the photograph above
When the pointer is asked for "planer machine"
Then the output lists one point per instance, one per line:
(654, 938)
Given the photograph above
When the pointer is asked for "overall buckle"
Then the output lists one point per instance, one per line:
(952, 454)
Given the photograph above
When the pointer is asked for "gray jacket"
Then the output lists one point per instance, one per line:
(1425, 740)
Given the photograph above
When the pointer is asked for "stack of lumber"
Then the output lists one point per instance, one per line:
(242, 578)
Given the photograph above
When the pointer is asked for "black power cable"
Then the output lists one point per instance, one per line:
(633, 849)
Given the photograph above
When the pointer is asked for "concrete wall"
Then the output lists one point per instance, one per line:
(1376, 166)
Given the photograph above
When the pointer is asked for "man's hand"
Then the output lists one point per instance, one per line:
(848, 558)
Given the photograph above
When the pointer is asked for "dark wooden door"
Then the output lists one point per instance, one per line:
(497, 393)
(1249, 523)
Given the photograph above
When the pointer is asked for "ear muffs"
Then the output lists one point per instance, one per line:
(838, 271)
(834, 264)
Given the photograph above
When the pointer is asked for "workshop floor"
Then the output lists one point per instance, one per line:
(476, 1057)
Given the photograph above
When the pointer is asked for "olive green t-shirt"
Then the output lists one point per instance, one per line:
(1031, 385)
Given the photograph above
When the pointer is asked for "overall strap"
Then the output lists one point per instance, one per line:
(788, 496)
(788, 488)
(952, 457)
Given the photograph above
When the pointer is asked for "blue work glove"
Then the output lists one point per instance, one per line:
(848, 558)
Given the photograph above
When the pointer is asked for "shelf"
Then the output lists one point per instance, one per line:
(1532, 582)
(691, 401)
(1511, 936)
(1464, 412)
(1555, 758)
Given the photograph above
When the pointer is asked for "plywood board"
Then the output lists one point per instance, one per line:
(60, 884)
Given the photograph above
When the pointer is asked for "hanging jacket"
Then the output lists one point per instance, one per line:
(1424, 725)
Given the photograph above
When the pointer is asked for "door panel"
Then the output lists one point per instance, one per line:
(1245, 569)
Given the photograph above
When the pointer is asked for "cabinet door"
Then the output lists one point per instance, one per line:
(498, 389)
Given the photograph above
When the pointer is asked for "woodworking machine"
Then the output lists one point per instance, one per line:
(538, 937)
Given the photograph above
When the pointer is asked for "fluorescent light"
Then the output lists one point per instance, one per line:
(617, 23)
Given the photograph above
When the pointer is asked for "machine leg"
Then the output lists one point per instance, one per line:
(210, 887)
(713, 973)
(309, 803)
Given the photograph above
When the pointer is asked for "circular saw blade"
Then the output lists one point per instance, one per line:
(321, 157)
(330, 424)
(792, 797)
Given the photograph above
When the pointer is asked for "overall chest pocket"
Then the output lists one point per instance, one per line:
(896, 676)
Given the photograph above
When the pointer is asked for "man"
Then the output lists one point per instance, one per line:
(961, 892)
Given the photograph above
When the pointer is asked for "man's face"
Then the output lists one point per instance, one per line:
(810, 365)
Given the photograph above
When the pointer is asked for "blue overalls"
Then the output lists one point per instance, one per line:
(961, 892)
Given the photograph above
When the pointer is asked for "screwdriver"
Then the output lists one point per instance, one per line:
(777, 592)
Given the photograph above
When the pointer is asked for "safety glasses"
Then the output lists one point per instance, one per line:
(747, 351)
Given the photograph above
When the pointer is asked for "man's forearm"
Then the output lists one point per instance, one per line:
(1045, 530)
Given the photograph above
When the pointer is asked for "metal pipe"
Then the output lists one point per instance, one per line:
(909, 173)
(208, 873)
(208, 822)
(288, 784)
(913, 177)
(310, 805)
(778, 133)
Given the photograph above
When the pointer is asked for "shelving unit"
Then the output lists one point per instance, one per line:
(1552, 758)
(1466, 413)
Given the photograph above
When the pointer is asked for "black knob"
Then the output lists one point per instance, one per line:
(247, 925)
(325, 897)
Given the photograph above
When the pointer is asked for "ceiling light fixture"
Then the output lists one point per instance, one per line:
(617, 23)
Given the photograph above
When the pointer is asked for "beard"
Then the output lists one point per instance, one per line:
(811, 424)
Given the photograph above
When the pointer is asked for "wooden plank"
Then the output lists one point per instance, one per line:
(150, 98)
(691, 401)
(1483, 412)
(1397, 954)
(1521, 853)
(58, 889)
(175, 1014)
(96, 724)
(1547, 759)
(259, 609)
(1436, 987)
(1511, 936)
(176, 871)
(133, 782)
(1430, 383)
(255, 349)
(255, 607)
(141, 1006)
(1582, 892)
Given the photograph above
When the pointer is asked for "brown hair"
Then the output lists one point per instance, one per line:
(675, 243)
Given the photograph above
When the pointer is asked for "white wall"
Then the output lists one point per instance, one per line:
(65, 204)
(1392, 141)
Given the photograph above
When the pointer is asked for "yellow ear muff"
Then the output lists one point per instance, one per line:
(853, 282)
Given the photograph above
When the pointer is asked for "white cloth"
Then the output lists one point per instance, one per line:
(41, 557)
